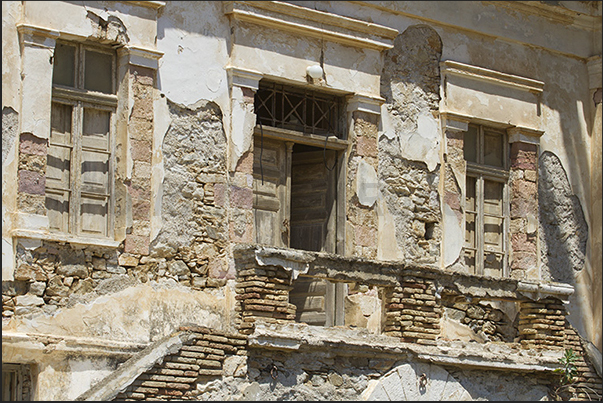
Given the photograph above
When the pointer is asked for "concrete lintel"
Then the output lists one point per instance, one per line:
(276, 343)
(365, 103)
(244, 78)
(37, 37)
(524, 135)
(55, 237)
(156, 5)
(454, 122)
(538, 291)
(35, 30)
(360, 342)
(488, 363)
(297, 262)
(144, 57)
(69, 344)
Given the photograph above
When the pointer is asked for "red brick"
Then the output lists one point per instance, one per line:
(137, 244)
(141, 209)
(241, 197)
(141, 150)
(30, 144)
(32, 183)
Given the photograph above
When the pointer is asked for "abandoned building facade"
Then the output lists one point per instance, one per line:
(301, 200)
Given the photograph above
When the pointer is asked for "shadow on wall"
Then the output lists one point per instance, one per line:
(563, 227)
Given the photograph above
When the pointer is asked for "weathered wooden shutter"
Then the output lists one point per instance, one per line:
(95, 184)
(269, 192)
(313, 189)
(60, 150)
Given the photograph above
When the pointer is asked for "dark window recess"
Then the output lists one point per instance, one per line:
(299, 109)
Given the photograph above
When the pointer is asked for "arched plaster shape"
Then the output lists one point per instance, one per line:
(404, 383)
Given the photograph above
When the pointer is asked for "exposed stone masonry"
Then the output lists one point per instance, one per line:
(542, 323)
(362, 220)
(194, 195)
(56, 275)
(523, 259)
(140, 131)
(588, 384)
(31, 196)
(410, 84)
(486, 321)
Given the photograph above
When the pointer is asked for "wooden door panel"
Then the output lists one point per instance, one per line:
(312, 201)
(269, 191)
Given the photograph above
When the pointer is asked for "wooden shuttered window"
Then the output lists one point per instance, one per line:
(486, 201)
(80, 163)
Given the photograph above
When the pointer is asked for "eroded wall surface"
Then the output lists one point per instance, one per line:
(184, 196)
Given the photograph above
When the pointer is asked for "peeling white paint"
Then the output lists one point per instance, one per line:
(293, 261)
(84, 374)
(162, 122)
(453, 236)
(423, 144)
(387, 125)
(388, 248)
(367, 184)
(243, 123)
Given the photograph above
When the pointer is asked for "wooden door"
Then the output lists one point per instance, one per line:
(313, 213)
(270, 192)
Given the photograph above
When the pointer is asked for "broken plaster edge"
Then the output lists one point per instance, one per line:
(537, 291)
(293, 261)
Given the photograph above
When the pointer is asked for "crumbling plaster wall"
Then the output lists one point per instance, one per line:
(11, 107)
(409, 143)
(512, 45)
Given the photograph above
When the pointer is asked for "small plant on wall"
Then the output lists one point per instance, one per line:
(563, 389)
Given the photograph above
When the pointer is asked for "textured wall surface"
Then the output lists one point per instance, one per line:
(563, 229)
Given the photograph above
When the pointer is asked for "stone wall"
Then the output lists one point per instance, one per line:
(523, 259)
(140, 133)
(361, 219)
(55, 275)
(409, 142)
(412, 312)
(193, 210)
(262, 292)
(563, 228)
(588, 384)
(31, 196)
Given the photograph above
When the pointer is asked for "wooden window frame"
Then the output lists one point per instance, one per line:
(272, 115)
(16, 374)
(80, 99)
(482, 172)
